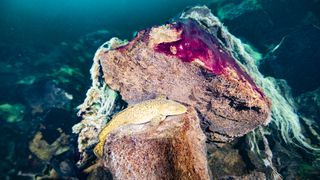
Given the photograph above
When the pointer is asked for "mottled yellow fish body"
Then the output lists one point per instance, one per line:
(140, 113)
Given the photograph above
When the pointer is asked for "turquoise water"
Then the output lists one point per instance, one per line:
(47, 49)
(58, 20)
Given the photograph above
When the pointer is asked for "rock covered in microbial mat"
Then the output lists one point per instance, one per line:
(186, 62)
(189, 61)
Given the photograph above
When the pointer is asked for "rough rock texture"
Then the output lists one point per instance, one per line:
(99, 173)
(185, 63)
(45, 151)
(175, 149)
(252, 176)
(226, 161)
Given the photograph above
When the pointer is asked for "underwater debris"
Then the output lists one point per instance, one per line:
(45, 95)
(226, 161)
(64, 74)
(27, 80)
(12, 112)
(44, 151)
(53, 146)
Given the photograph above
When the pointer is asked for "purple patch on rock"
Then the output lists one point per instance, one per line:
(197, 44)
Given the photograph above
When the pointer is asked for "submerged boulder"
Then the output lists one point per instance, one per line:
(189, 61)
(174, 149)
(186, 63)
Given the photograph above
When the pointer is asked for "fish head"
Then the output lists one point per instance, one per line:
(173, 108)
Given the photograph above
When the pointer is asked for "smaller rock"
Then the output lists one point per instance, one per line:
(226, 161)
(99, 173)
(44, 95)
(174, 149)
(44, 151)
(12, 112)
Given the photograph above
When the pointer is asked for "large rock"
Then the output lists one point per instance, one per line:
(175, 149)
(190, 61)
(186, 63)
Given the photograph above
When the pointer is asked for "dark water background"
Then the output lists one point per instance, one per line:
(33, 21)
(46, 50)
